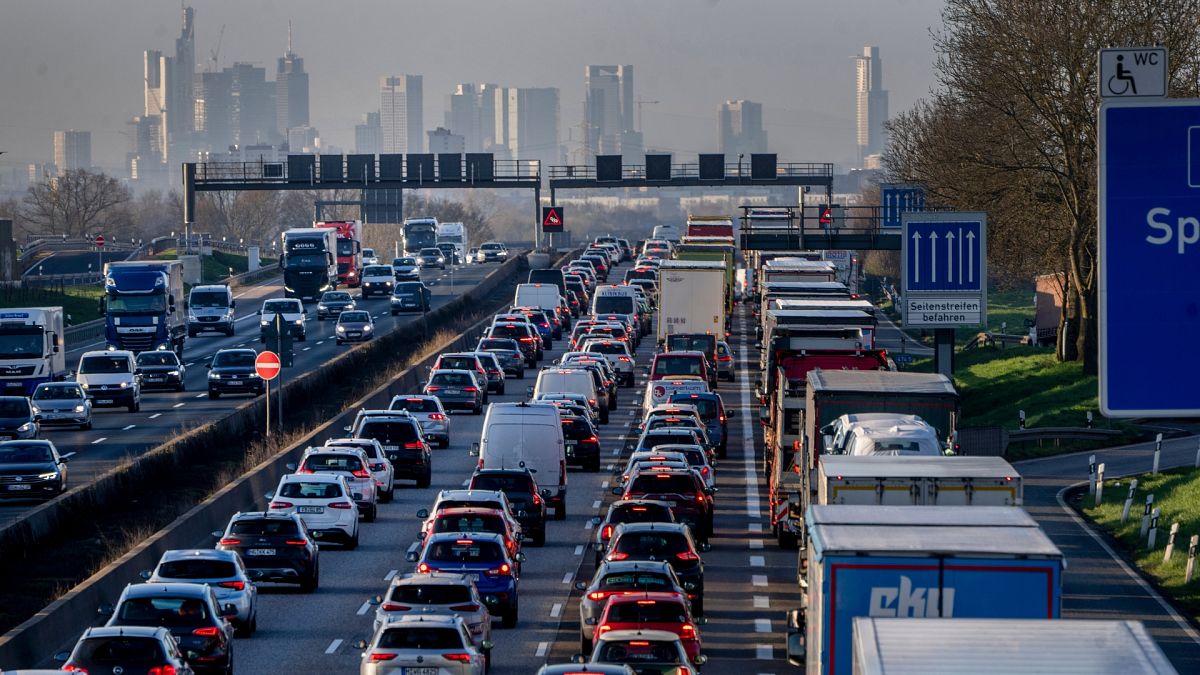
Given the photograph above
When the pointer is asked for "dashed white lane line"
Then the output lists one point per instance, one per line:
(413, 547)
(556, 610)
(333, 646)
(595, 504)
(391, 575)
(759, 580)
(764, 652)
(320, 342)
(568, 577)
(758, 561)
(756, 528)
(542, 648)
(588, 525)
(306, 349)
(200, 395)
(466, 482)
(178, 405)
(128, 427)
(762, 602)
(756, 543)
(762, 625)
(72, 454)
(366, 607)
(604, 485)
(156, 415)
(100, 440)
(579, 550)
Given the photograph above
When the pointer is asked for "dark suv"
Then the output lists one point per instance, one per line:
(583, 444)
(403, 444)
(196, 619)
(671, 542)
(231, 371)
(684, 490)
(528, 502)
(274, 547)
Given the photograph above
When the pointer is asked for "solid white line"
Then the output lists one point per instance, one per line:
(72, 454)
(100, 440)
(758, 561)
(762, 625)
(391, 575)
(542, 648)
(758, 580)
(568, 577)
(178, 405)
(128, 427)
(556, 610)
(333, 646)
(156, 415)
(579, 550)
(762, 602)
(764, 652)
(366, 607)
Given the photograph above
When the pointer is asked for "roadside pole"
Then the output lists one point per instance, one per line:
(279, 328)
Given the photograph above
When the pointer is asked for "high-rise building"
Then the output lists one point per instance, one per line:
(368, 135)
(254, 110)
(871, 103)
(608, 111)
(303, 139)
(214, 109)
(532, 123)
(180, 102)
(400, 113)
(471, 112)
(72, 150)
(291, 90)
(442, 140)
(740, 129)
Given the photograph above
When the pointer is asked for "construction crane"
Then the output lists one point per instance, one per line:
(216, 52)
(642, 102)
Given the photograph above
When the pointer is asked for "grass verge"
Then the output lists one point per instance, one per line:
(1177, 495)
(80, 303)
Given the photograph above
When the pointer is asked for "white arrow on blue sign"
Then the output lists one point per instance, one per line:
(899, 198)
(944, 255)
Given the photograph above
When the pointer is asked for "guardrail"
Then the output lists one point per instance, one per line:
(995, 440)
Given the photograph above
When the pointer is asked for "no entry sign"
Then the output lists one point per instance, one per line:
(267, 365)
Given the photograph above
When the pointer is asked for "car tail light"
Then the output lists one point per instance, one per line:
(235, 585)
(207, 631)
(597, 595)
(591, 439)
(437, 416)
(471, 389)
(432, 388)
(537, 499)
(502, 570)
(341, 505)
(458, 657)
(602, 629)
(424, 568)
(230, 541)
(617, 555)
(296, 542)
(362, 473)
(687, 555)
(377, 657)
(687, 630)
(281, 505)
(623, 359)
(606, 533)
(304, 469)
(168, 669)
(393, 607)
(415, 445)
(465, 608)
(527, 339)
(72, 668)
(724, 358)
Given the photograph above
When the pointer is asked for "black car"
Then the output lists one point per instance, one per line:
(450, 253)
(400, 436)
(528, 341)
(128, 649)
(671, 542)
(528, 502)
(196, 619)
(17, 419)
(161, 370)
(582, 442)
(411, 296)
(508, 351)
(333, 303)
(274, 547)
(628, 511)
(231, 371)
(31, 470)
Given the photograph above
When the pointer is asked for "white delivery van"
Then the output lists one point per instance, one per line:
(566, 381)
(542, 296)
(528, 435)
(615, 300)
(109, 378)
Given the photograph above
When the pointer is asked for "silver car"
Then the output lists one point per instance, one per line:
(354, 326)
(399, 647)
(429, 413)
(223, 571)
(725, 361)
(457, 389)
(381, 467)
(436, 592)
(61, 403)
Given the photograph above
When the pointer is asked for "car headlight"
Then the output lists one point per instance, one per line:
(264, 323)
(36, 410)
(124, 385)
(80, 408)
(85, 385)
(214, 376)
(49, 475)
(28, 426)
(367, 328)
(341, 329)
(173, 373)
(299, 322)
(321, 306)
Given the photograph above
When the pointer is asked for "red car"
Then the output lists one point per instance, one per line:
(680, 364)
(652, 611)
(470, 520)
(690, 499)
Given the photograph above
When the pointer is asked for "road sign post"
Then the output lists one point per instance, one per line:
(267, 365)
(1171, 543)
(1129, 501)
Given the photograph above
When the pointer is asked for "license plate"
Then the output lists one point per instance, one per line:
(20, 487)
(105, 401)
(453, 391)
(260, 551)
(391, 448)
(420, 670)
(310, 509)
(354, 334)
(234, 382)
(156, 378)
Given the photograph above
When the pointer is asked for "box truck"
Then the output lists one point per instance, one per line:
(31, 349)
(691, 298)
(918, 481)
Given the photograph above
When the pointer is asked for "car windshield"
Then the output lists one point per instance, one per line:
(354, 317)
(335, 296)
(298, 260)
(705, 406)
(209, 299)
(648, 581)
(431, 251)
(234, 359)
(331, 462)
(640, 513)
(18, 453)
(124, 651)
(50, 392)
(463, 551)
(577, 429)
(469, 523)
(377, 271)
(163, 611)
(663, 483)
(416, 405)
(491, 247)
(196, 568)
(389, 433)
(99, 365)
(272, 527)
(678, 365)
(505, 482)
(404, 262)
(431, 594)
(281, 307)
(647, 611)
(423, 637)
(21, 341)
(157, 359)
(656, 544)
(452, 379)
(636, 651)
(311, 490)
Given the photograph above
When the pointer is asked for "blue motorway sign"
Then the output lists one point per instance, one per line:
(1149, 245)
(899, 198)
(944, 254)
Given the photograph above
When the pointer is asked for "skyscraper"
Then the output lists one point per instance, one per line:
(368, 135)
(291, 90)
(533, 124)
(608, 111)
(400, 113)
(442, 140)
(254, 108)
(72, 150)
(871, 103)
(180, 101)
(471, 113)
(214, 109)
(740, 129)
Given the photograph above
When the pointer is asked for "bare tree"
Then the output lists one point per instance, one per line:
(253, 216)
(78, 202)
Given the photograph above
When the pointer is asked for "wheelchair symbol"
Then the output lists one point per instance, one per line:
(1123, 77)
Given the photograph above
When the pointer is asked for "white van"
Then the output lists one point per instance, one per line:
(109, 378)
(542, 296)
(569, 381)
(615, 300)
(527, 435)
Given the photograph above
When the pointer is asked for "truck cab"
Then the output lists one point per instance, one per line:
(210, 308)
(309, 262)
(30, 349)
(143, 306)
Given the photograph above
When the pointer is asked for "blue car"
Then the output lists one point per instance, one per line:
(712, 413)
(482, 556)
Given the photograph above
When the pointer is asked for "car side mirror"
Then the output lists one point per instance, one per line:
(796, 651)
(529, 392)
(56, 349)
(617, 491)
(137, 371)
(291, 466)
(520, 536)
(259, 312)
(474, 451)
(62, 657)
(578, 658)
(304, 310)
(544, 492)
(346, 428)
(730, 414)
(689, 586)
(105, 610)
(63, 460)
(375, 601)
(521, 557)
(270, 496)
(581, 585)
(256, 575)
(233, 304)
(827, 441)
(360, 644)
(423, 513)
(411, 557)
(596, 520)
(597, 546)
(704, 547)
(229, 610)
(591, 621)
(703, 621)
(208, 365)
(217, 534)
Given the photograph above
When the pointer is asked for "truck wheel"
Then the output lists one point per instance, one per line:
(786, 539)
(191, 333)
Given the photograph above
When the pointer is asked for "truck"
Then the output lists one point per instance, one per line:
(309, 262)
(918, 481)
(143, 306)
(709, 226)
(989, 562)
(688, 298)
(714, 250)
(419, 233)
(349, 250)
(798, 269)
(454, 233)
(1066, 646)
(31, 348)
(864, 320)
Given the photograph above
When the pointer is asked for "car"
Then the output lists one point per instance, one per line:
(473, 256)
(161, 370)
(224, 571)
(653, 611)
(406, 269)
(464, 361)
(333, 303)
(354, 326)
(410, 296)
(604, 375)
(232, 371)
(571, 401)
(524, 335)
(661, 422)
(129, 649)
(525, 498)
(615, 577)
(483, 555)
(274, 547)
(349, 463)
(431, 257)
(671, 542)
(668, 365)
(109, 378)
(472, 519)
(582, 442)
(725, 361)
(457, 389)
(210, 307)
(512, 359)
(653, 652)
(196, 619)
(429, 413)
(495, 372)
(377, 280)
(690, 497)
(618, 355)
(713, 413)
(369, 257)
(435, 593)
(477, 499)
(31, 469)
(627, 511)
(697, 459)
(450, 253)
(293, 313)
(574, 381)
(61, 404)
(437, 644)
(540, 322)
(493, 251)
(324, 503)
(402, 440)
(648, 440)
(379, 464)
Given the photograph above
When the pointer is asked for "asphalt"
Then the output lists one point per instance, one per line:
(74, 262)
(117, 434)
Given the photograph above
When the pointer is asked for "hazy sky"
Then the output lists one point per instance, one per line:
(77, 64)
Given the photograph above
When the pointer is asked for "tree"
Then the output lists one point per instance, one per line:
(77, 203)
(252, 216)
(1011, 128)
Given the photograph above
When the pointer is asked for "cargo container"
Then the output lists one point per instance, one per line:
(687, 298)
(918, 481)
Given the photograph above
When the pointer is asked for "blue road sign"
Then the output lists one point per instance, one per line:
(1149, 245)
(944, 255)
(903, 359)
(899, 198)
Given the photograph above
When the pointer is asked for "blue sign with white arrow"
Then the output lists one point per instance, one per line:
(943, 255)
(899, 198)
(1149, 246)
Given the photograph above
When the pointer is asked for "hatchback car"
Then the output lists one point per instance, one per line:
(324, 503)
(457, 389)
(232, 371)
(402, 440)
(620, 577)
(712, 412)
(508, 351)
(223, 571)
(31, 469)
(333, 303)
(464, 361)
(429, 413)
(431, 257)
(690, 498)
(161, 370)
(627, 511)
(354, 326)
(495, 372)
(527, 500)
(410, 296)
(380, 465)
(349, 463)
(423, 644)
(197, 621)
(493, 500)
(274, 547)
(482, 555)
(406, 269)
(436, 593)
(474, 519)
(128, 649)
(61, 403)
(653, 611)
(17, 419)
(671, 542)
(582, 442)
(450, 253)
(524, 335)
(651, 652)
(618, 355)
(725, 361)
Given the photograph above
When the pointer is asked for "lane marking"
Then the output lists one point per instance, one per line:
(759, 580)
(100, 440)
(588, 525)
(579, 550)
(604, 485)
(127, 427)
(72, 454)
(306, 349)
(178, 405)
(758, 561)
(568, 577)
(413, 547)
(756, 543)
(595, 504)
(366, 607)
(762, 625)
(156, 415)
(764, 652)
(391, 575)
(762, 602)
(542, 648)
(333, 646)
(756, 528)
(556, 610)
(200, 395)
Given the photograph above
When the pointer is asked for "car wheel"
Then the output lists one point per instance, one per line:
(585, 647)
(594, 466)
(698, 606)
(213, 395)
(135, 406)
(310, 584)
(339, 342)
(389, 496)
(371, 514)
(604, 416)
(394, 312)
(353, 542)
(445, 443)
(539, 539)
(500, 391)
(478, 410)
(304, 337)
(229, 333)
(521, 374)
(424, 481)
(182, 386)
(510, 618)
(87, 426)
(242, 630)
(254, 624)
(191, 333)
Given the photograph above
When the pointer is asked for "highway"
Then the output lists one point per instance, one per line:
(118, 434)
(74, 262)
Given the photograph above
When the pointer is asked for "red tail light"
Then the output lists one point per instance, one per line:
(471, 389)
(432, 388)
(393, 607)
(437, 416)
(382, 657)
(296, 542)
(687, 555)
(362, 473)
(687, 630)
(230, 541)
(208, 631)
(502, 570)
(527, 339)
(341, 505)
(424, 568)
(597, 595)
(160, 670)
(413, 446)
(72, 668)
(235, 585)
(537, 500)
(607, 532)
(617, 555)
(602, 629)
(304, 470)
(724, 358)
(623, 359)
(281, 505)
(704, 471)
(465, 608)
(458, 657)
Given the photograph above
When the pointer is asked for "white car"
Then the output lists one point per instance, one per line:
(399, 646)
(351, 464)
(436, 593)
(481, 499)
(369, 257)
(293, 316)
(381, 467)
(378, 280)
(429, 413)
(109, 378)
(324, 502)
(617, 353)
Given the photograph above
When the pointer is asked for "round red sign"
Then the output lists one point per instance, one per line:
(100, 240)
(267, 365)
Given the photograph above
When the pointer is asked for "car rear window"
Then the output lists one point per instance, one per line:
(653, 440)
(663, 483)
(705, 406)
(504, 482)
(420, 638)
(464, 503)
(514, 332)
(265, 527)
(472, 523)
(310, 490)
(329, 462)
(431, 594)
(456, 363)
(163, 611)
(463, 551)
(423, 405)
(576, 429)
(647, 611)
(197, 569)
(678, 365)
(452, 379)
(641, 513)
(498, 345)
(637, 651)
(657, 544)
(122, 650)
(649, 581)
(389, 433)
(607, 348)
